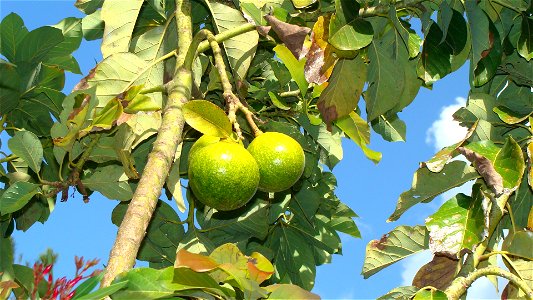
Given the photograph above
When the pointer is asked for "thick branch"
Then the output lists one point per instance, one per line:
(141, 208)
(461, 284)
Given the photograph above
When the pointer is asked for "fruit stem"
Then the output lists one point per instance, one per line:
(234, 103)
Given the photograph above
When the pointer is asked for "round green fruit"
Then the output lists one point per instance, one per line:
(223, 175)
(280, 158)
(203, 141)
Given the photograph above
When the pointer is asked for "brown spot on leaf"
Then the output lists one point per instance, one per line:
(438, 273)
(486, 52)
(321, 57)
(329, 114)
(293, 36)
(84, 82)
(485, 168)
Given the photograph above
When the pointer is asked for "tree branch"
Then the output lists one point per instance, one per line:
(461, 284)
(141, 208)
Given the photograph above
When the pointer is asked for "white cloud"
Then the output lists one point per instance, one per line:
(446, 131)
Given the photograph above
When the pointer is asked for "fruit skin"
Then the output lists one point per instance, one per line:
(203, 141)
(223, 175)
(281, 160)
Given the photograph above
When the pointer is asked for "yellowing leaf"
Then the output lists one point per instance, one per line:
(120, 18)
(207, 118)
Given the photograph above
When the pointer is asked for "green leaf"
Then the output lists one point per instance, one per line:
(110, 181)
(289, 291)
(173, 183)
(519, 244)
(345, 86)
(342, 221)
(9, 88)
(239, 49)
(458, 224)
(386, 74)
(330, 142)
(292, 254)
(17, 195)
(26, 145)
(118, 30)
(396, 245)
(509, 163)
(37, 210)
(486, 45)
(390, 127)
(295, 67)
(435, 61)
(6, 259)
(428, 185)
(410, 38)
(92, 26)
(104, 292)
(346, 30)
(400, 293)
(530, 158)
(37, 44)
(358, 131)
(207, 118)
(430, 295)
(509, 116)
(72, 34)
(525, 42)
(278, 103)
(87, 286)
(12, 32)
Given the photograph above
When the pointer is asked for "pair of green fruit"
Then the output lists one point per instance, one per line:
(224, 175)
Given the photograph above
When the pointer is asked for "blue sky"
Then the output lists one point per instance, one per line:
(75, 228)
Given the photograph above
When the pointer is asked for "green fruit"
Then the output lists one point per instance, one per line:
(223, 175)
(203, 141)
(280, 158)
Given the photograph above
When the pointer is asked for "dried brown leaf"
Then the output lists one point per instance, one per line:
(321, 57)
(84, 82)
(293, 36)
(438, 273)
(485, 168)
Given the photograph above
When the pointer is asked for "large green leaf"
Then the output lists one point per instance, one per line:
(239, 49)
(118, 72)
(88, 6)
(435, 62)
(396, 245)
(358, 131)
(12, 32)
(110, 181)
(16, 196)
(207, 118)
(26, 145)
(72, 34)
(400, 293)
(525, 42)
(390, 127)
(120, 18)
(344, 89)
(346, 30)
(330, 142)
(458, 224)
(92, 26)
(428, 185)
(37, 44)
(386, 74)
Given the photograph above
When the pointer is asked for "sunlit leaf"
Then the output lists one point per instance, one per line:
(118, 30)
(195, 262)
(239, 49)
(400, 293)
(346, 30)
(510, 164)
(430, 294)
(428, 185)
(93, 26)
(286, 291)
(27, 146)
(207, 118)
(358, 131)
(393, 247)
(295, 67)
(390, 127)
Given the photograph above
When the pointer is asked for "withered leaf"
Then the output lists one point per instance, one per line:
(438, 273)
(485, 168)
(84, 82)
(321, 57)
(293, 36)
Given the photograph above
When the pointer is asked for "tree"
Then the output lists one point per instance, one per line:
(176, 70)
